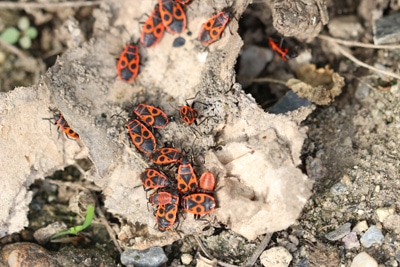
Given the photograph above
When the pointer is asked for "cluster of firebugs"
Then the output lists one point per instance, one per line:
(167, 15)
(192, 194)
(187, 191)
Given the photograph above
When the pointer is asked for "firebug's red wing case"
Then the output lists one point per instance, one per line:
(212, 29)
(141, 137)
(172, 15)
(128, 63)
(153, 29)
(152, 116)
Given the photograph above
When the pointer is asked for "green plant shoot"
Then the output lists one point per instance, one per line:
(76, 229)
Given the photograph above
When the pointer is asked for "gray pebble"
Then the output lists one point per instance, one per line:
(339, 233)
(338, 189)
(150, 257)
(387, 30)
(289, 102)
(372, 236)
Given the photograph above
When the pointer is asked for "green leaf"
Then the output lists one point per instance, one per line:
(76, 229)
(25, 42)
(10, 35)
(23, 23)
(86, 223)
(31, 32)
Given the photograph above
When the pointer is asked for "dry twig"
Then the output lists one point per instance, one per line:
(261, 80)
(362, 64)
(264, 243)
(110, 231)
(356, 44)
(23, 5)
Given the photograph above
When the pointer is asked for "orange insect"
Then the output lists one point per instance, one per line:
(212, 29)
(152, 179)
(207, 182)
(152, 116)
(63, 125)
(189, 114)
(173, 16)
(166, 155)
(166, 216)
(198, 204)
(163, 198)
(186, 178)
(141, 137)
(284, 52)
(153, 29)
(128, 63)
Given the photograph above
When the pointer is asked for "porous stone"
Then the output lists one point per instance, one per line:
(276, 257)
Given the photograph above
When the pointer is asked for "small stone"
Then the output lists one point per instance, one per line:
(339, 233)
(351, 241)
(392, 222)
(303, 263)
(362, 90)
(345, 27)
(383, 213)
(43, 235)
(289, 102)
(294, 240)
(315, 168)
(386, 30)
(372, 236)
(27, 254)
(276, 257)
(339, 189)
(186, 259)
(153, 256)
(360, 227)
(363, 260)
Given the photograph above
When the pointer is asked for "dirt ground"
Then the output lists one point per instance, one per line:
(350, 153)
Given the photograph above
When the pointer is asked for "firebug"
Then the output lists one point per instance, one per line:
(128, 63)
(163, 198)
(153, 29)
(212, 29)
(172, 15)
(152, 179)
(152, 116)
(186, 178)
(284, 52)
(166, 155)
(207, 182)
(166, 216)
(198, 204)
(189, 114)
(62, 124)
(141, 137)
